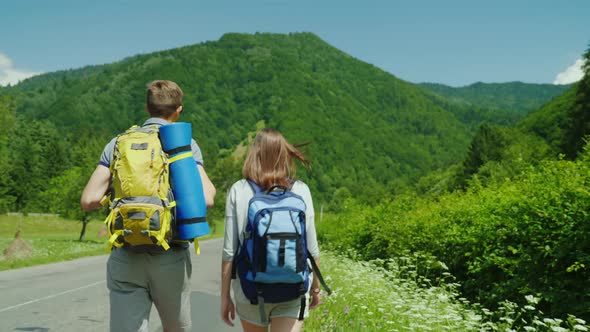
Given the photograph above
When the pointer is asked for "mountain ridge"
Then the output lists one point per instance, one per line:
(372, 132)
(515, 96)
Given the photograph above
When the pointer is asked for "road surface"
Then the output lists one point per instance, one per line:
(72, 296)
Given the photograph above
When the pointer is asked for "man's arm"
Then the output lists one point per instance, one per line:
(208, 188)
(96, 188)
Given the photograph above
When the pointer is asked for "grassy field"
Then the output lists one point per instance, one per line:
(48, 239)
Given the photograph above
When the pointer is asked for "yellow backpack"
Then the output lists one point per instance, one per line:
(141, 209)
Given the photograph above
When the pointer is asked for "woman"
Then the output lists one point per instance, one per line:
(270, 162)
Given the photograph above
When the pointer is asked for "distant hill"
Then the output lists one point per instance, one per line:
(551, 121)
(371, 132)
(516, 97)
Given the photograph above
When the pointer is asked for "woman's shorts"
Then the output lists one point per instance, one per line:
(251, 312)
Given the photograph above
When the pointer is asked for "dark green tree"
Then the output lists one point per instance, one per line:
(487, 145)
(63, 197)
(7, 132)
(579, 115)
(37, 154)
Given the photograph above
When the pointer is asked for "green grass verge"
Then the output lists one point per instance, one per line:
(387, 296)
(54, 239)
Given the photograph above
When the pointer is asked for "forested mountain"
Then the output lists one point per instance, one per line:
(565, 121)
(510, 222)
(551, 121)
(370, 131)
(517, 97)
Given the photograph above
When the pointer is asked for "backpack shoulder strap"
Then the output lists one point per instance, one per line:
(255, 187)
(149, 129)
(316, 270)
(130, 130)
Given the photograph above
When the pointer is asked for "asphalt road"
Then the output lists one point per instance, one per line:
(72, 296)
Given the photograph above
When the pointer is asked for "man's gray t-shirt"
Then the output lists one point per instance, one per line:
(109, 149)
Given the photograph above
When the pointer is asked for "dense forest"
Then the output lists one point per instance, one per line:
(508, 221)
(371, 132)
(490, 179)
(517, 97)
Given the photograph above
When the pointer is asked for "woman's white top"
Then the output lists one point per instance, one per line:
(236, 217)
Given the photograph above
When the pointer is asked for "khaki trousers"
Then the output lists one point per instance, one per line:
(136, 280)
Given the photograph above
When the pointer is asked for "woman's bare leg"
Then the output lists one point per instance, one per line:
(285, 324)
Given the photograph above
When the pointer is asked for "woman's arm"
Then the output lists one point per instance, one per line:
(312, 244)
(230, 243)
(315, 288)
(228, 311)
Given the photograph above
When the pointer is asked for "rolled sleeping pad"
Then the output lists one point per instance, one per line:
(185, 180)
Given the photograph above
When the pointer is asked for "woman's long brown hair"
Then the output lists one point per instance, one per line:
(271, 160)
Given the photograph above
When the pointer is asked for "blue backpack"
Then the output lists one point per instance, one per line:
(272, 260)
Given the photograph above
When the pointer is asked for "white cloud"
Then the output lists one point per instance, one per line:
(11, 75)
(572, 74)
(5, 61)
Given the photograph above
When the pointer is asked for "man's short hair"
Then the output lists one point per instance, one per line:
(163, 98)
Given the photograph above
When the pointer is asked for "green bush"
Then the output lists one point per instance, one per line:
(528, 235)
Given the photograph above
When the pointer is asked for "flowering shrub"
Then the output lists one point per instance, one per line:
(515, 237)
(389, 295)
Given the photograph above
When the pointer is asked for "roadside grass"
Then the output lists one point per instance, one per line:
(52, 239)
(386, 296)
(390, 295)
(55, 239)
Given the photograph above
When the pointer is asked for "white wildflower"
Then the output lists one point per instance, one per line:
(558, 329)
(531, 299)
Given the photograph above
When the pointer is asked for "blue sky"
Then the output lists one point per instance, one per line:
(450, 42)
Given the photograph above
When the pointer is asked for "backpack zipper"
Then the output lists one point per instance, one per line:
(152, 158)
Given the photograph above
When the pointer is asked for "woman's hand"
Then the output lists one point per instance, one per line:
(315, 298)
(228, 311)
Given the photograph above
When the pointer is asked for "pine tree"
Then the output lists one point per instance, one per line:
(487, 145)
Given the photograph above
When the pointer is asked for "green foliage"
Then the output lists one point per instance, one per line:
(37, 154)
(63, 194)
(515, 98)
(487, 145)
(565, 121)
(550, 122)
(527, 235)
(7, 132)
(371, 132)
(579, 115)
(498, 153)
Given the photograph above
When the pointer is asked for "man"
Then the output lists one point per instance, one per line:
(137, 277)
